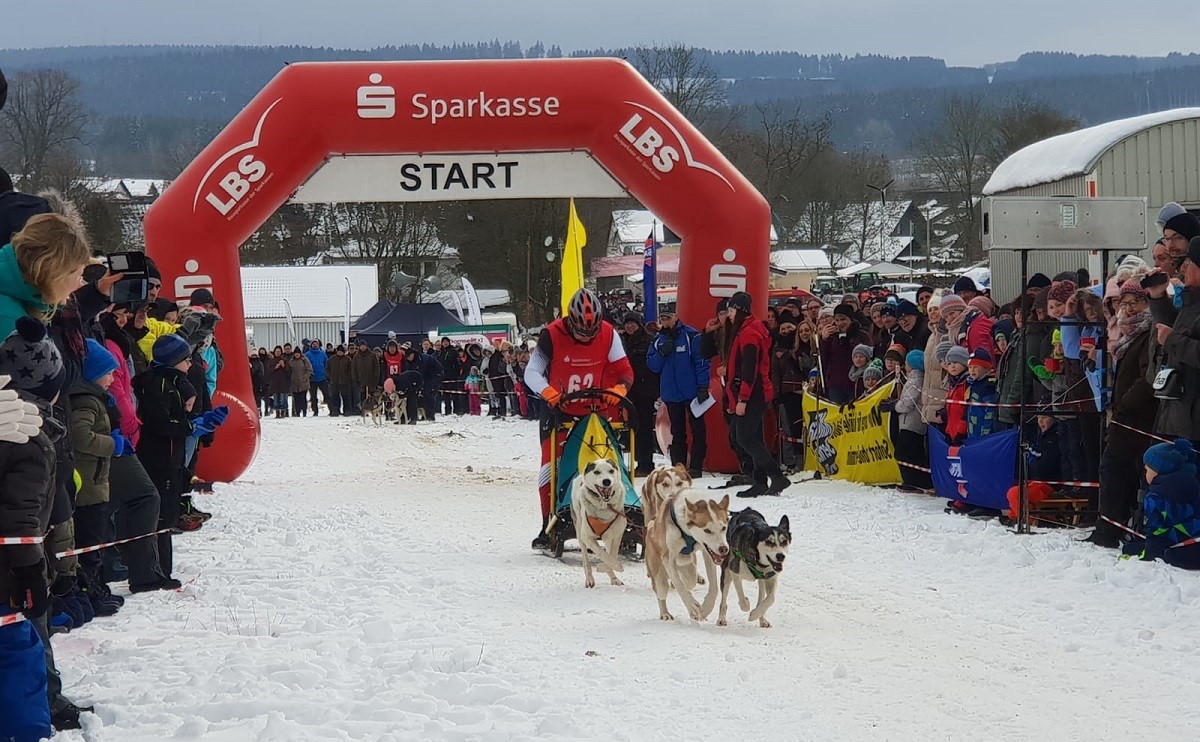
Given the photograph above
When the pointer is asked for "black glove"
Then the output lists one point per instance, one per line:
(702, 394)
(666, 347)
(29, 586)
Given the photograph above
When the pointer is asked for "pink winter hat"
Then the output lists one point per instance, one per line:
(952, 301)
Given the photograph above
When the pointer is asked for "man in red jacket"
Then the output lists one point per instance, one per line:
(578, 351)
(748, 393)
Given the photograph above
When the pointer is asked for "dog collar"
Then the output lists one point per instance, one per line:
(757, 573)
(689, 543)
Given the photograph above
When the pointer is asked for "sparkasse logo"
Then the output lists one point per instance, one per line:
(237, 182)
(644, 138)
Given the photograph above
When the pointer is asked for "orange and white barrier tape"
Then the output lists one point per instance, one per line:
(98, 547)
(1092, 485)
(21, 540)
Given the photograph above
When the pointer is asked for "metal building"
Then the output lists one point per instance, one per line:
(1155, 156)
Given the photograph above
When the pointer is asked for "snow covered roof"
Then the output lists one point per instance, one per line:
(883, 268)
(313, 291)
(1074, 153)
(633, 226)
(800, 260)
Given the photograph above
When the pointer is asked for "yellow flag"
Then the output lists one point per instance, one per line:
(572, 260)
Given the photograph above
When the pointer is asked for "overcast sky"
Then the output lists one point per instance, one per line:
(964, 32)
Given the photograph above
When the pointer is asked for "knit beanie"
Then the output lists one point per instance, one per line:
(98, 361)
(874, 370)
(1072, 276)
(1167, 458)
(32, 360)
(983, 304)
(171, 349)
(964, 283)
(934, 302)
(886, 310)
(915, 360)
(952, 301)
(845, 310)
(895, 351)
(957, 354)
(1168, 212)
(1133, 287)
(1003, 329)
(942, 350)
(907, 308)
(1185, 224)
(863, 350)
(1061, 292)
(1037, 281)
(981, 357)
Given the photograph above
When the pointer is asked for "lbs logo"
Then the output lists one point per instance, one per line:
(238, 178)
(644, 138)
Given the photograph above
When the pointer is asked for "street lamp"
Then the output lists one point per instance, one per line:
(882, 210)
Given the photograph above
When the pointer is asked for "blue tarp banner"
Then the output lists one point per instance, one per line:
(979, 472)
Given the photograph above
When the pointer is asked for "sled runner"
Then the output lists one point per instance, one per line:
(585, 435)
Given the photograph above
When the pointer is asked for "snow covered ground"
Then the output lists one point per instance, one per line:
(376, 584)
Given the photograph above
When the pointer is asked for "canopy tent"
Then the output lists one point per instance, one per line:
(410, 322)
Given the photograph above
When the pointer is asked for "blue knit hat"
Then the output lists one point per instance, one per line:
(170, 350)
(98, 361)
(915, 359)
(1167, 458)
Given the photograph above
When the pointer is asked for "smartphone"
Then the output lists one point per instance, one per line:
(130, 291)
(132, 264)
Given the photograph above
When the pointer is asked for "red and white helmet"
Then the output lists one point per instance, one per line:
(584, 314)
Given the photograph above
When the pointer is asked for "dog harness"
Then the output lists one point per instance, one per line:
(757, 573)
(600, 526)
(689, 543)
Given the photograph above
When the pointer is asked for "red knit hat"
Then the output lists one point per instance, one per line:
(1062, 291)
(1133, 287)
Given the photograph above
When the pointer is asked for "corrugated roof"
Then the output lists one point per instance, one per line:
(1075, 153)
(313, 291)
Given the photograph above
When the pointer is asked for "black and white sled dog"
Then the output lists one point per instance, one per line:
(756, 553)
(598, 511)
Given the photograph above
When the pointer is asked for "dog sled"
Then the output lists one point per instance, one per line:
(586, 435)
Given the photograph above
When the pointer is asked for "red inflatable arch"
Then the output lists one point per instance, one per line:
(311, 111)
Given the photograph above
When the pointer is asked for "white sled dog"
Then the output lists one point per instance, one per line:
(598, 512)
(679, 527)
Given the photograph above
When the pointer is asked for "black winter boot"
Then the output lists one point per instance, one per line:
(541, 541)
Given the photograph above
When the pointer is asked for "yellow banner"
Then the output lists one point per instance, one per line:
(572, 258)
(853, 442)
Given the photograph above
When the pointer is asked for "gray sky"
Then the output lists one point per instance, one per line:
(964, 32)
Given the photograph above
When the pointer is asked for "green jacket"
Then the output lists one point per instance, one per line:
(17, 297)
(91, 436)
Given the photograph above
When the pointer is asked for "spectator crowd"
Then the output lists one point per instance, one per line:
(105, 410)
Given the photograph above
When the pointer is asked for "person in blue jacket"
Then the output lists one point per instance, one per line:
(319, 359)
(1171, 505)
(684, 375)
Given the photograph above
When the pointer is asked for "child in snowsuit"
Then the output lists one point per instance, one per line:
(166, 400)
(1172, 504)
(27, 486)
(95, 445)
(981, 392)
(472, 385)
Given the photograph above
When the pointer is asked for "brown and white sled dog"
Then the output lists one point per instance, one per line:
(598, 512)
(662, 483)
(681, 527)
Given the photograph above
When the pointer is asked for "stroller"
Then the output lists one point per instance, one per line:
(589, 436)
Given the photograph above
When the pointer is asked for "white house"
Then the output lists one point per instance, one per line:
(315, 296)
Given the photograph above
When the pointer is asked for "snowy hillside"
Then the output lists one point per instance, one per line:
(376, 584)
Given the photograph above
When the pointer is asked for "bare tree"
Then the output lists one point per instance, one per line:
(294, 235)
(395, 237)
(43, 120)
(862, 170)
(683, 76)
(955, 152)
(1022, 123)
